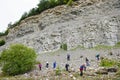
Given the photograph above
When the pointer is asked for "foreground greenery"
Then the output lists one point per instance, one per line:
(18, 59)
(108, 63)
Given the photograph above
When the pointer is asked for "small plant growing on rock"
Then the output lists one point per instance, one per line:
(107, 63)
(63, 46)
(18, 59)
(58, 71)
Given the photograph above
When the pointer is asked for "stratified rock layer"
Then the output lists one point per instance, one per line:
(87, 23)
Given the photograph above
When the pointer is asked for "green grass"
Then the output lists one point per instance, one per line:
(103, 47)
(117, 45)
(75, 48)
(57, 52)
(107, 63)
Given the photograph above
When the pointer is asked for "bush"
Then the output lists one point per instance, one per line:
(58, 71)
(2, 42)
(18, 59)
(25, 15)
(63, 46)
(107, 63)
(4, 33)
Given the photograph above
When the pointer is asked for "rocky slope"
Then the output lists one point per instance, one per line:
(87, 23)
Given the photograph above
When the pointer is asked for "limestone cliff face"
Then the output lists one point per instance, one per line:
(87, 23)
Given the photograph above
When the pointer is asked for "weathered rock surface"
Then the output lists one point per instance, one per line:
(112, 69)
(102, 71)
(87, 23)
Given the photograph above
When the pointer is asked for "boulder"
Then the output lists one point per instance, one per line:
(102, 71)
(112, 69)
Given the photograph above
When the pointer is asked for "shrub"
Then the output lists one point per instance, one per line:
(17, 59)
(24, 16)
(4, 33)
(2, 42)
(63, 46)
(58, 71)
(107, 63)
(60, 2)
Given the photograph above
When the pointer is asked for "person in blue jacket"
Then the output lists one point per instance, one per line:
(54, 65)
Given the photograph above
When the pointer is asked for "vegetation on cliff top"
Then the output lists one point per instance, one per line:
(42, 6)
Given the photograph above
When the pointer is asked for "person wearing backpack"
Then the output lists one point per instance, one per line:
(82, 67)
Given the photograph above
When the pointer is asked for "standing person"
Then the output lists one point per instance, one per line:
(40, 66)
(98, 57)
(54, 65)
(66, 66)
(47, 64)
(87, 62)
(68, 57)
(82, 67)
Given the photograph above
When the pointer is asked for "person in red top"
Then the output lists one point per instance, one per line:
(82, 67)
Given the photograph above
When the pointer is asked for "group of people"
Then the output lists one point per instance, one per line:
(47, 65)
(82, 67)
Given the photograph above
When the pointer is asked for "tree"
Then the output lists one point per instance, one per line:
(60, 2)
(25, 15)
(53, 3)
(18, 59)
(43, 5)
(2, 42)
(10, 25)
(33, 11)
